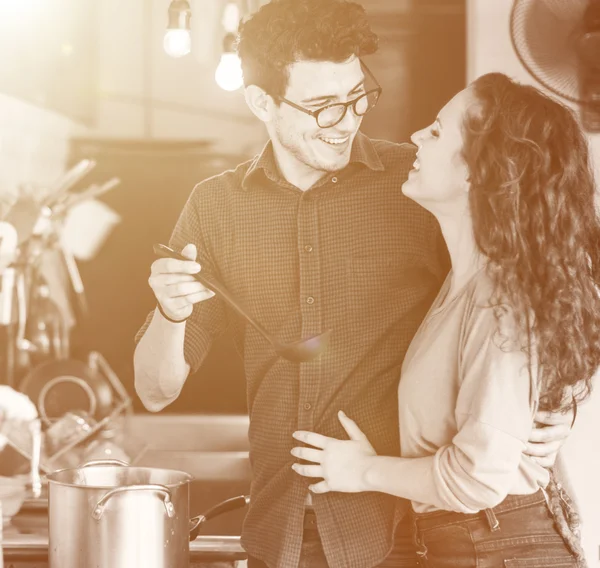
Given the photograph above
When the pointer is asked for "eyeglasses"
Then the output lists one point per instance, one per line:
(333, 114)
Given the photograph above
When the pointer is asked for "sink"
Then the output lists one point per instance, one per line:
(206, 466)
(208, 447)
(211, 448)
(191, 432)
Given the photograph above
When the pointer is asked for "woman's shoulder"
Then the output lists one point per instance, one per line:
(487, 311)
(479, 294)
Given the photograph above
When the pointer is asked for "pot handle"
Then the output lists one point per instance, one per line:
(99, 508)
(109, 461)
(219, 509)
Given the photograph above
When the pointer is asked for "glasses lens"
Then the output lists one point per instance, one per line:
(333, 114)
(363, 105)
(330, 115)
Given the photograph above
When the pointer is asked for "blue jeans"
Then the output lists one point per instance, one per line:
(403, 554)
(520, 532)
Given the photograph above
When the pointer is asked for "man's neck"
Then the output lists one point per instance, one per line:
(295, 172)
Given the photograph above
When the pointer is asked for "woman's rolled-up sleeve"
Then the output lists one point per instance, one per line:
(494, 416)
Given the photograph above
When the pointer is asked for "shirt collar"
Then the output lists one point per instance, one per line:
(265, 161)
(363, 152)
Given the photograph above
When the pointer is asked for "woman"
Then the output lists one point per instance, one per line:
(515, 327)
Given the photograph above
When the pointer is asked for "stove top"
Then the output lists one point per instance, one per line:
(26, 535)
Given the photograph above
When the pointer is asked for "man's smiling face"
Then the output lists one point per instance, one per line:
(313, 85)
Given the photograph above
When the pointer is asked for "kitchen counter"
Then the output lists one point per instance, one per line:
(25, 542)
(213, 449)
(28, 548)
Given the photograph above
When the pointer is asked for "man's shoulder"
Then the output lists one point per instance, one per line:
(397, 159)
(394, 154)
(222, 183)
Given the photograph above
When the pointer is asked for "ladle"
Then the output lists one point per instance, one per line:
(297, 351)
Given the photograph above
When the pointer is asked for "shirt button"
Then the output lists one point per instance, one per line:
(307, 406)
(310, 300)
(334, 179)
(308, 248)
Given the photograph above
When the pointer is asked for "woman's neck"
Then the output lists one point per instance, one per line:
(465, 257)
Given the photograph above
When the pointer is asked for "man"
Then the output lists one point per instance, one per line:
(313, 234)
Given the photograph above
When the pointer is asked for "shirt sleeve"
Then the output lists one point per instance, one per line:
(209, 318)
(494, 417)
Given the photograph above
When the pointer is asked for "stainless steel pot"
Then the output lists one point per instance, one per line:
(108, 515)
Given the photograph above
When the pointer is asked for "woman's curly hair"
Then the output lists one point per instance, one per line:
(282, 32)
(532, 200)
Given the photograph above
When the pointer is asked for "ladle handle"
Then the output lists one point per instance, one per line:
(164, 491)
(167, 252)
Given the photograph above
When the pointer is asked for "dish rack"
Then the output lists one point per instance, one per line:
(110, 425)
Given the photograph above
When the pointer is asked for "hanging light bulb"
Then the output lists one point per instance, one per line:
(229, 71)
(178, 41)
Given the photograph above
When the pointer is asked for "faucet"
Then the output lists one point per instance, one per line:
(35, 428)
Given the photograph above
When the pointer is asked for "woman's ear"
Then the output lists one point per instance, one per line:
(259, 102)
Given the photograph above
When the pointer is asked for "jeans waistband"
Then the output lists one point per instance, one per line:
(425, 521)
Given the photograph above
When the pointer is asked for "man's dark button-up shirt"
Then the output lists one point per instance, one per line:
(353, 255)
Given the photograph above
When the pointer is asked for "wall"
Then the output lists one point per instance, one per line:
(187, 103)
(489, 49)
(48, 60)
(33, 147)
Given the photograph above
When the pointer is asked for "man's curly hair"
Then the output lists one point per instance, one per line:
(532, 200)
(283, 32)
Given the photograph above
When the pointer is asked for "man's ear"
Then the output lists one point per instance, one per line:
(259, 102)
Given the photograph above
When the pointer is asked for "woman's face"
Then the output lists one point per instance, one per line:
(438, 180)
